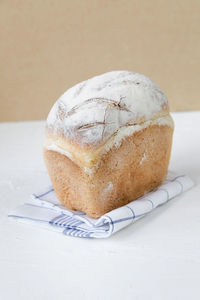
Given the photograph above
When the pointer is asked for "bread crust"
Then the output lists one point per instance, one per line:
(124, 173)
(89, 113)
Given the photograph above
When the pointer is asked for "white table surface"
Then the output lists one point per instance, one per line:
(158, 257)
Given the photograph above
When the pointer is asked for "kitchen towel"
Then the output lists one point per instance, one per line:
(44, 209)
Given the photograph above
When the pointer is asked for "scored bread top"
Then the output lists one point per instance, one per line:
(91, 112)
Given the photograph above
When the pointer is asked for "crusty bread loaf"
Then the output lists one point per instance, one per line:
(108, 141)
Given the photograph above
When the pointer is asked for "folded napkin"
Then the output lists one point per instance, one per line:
(44, 209)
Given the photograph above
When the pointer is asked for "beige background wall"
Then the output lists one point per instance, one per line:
(47, 46)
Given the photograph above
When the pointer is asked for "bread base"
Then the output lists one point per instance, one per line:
(125, 173)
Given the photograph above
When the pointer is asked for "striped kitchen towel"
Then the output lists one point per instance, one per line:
(45, 210)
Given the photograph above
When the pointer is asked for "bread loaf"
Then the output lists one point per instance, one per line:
(108, 141)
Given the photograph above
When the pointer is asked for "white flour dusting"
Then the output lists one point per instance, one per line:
(144, 157)
(93, 110)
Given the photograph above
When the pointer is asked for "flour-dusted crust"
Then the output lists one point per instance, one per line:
(92, 111)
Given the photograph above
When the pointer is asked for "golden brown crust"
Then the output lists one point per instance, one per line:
(125, 173)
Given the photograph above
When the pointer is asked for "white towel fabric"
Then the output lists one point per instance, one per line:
(45, 210)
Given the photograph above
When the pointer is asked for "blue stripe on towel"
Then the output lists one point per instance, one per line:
(44, 194)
